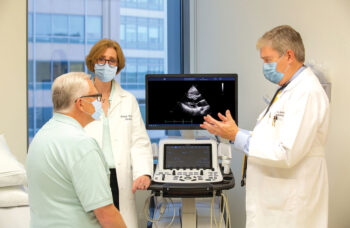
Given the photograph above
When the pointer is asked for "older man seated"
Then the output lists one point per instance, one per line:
(67, 173)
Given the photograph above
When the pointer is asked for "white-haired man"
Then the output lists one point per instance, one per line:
(67, 174)
(287, 183)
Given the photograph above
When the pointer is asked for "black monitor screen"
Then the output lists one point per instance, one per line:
(181, 101)
(185, 156)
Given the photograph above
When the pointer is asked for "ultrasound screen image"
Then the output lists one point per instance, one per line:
(187, 156)
(193, 103)
(175, 102)
(181, 102)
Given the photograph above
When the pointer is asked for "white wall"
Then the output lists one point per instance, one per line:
(225, 42)
(226, 32)
(13, 94)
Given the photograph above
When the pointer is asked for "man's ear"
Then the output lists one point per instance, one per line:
(78, 104)
(290, 55)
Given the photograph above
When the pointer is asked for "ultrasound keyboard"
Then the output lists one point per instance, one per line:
(188, 176)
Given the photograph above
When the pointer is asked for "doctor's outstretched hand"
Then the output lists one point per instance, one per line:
(226, 128)
(141, 183)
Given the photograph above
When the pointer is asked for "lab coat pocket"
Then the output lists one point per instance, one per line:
(278, 123)
(279, 194)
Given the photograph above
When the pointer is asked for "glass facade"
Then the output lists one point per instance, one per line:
(143, 4)
(59, 28)
(62, 32)
(133, 76)
(142, 33)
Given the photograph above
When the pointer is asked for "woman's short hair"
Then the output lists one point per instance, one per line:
(99, 48)
(67, 88)
(283, 38)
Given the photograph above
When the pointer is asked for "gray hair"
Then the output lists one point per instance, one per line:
(283, 38)
(67, 88)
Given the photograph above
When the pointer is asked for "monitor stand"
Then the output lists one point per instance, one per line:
(187, 134)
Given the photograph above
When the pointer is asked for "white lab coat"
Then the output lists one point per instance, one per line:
(131, 148)
(287, 182)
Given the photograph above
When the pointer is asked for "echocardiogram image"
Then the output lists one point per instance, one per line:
(185, 102)
(193, 103)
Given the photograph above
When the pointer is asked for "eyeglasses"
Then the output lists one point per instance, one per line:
(97, 95)
(102, 61)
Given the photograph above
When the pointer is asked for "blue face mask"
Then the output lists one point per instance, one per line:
(98, 109)
(271, 74)
(105, 73)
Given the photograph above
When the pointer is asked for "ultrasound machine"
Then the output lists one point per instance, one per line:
(190, 168)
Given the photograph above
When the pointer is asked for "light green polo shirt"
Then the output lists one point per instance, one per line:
(67, 176)
(106, 134)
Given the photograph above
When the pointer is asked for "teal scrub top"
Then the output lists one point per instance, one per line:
(67, 176)
(106, 135)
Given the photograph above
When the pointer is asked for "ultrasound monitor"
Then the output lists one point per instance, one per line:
(179, 101)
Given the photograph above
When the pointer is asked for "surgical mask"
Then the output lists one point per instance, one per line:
(271, 73)
(98, 109)
(105, 73)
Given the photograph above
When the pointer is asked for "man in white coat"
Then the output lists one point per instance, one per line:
(287, 182)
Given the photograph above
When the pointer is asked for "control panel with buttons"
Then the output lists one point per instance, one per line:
(188, 176)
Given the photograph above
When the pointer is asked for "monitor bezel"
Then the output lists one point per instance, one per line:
(211, 75)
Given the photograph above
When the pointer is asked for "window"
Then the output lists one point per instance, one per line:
(133, 77)
(130, 33)
(93, 29)
(43, 28)
(122, 33)
(60, 28)
(77, 67)
(143, 4)
(142, 69)
(142, 33)
(59, 68)
(43, 71)
(59, 39)
(131, 70)
(76, 29)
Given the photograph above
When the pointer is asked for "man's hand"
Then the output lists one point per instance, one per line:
(141, 183)
(226, 128)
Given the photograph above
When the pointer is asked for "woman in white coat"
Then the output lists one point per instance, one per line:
(120, 130)
(287, 182)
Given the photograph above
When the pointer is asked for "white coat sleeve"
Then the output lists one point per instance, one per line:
(141, 150)
(304, 114)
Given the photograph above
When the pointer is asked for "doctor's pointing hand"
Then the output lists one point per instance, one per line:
(287, 182)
